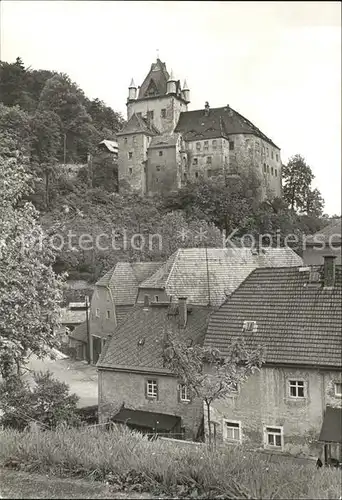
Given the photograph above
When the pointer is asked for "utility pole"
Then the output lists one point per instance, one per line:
(88, 330)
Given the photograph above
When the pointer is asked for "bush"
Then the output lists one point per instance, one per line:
(129, 461)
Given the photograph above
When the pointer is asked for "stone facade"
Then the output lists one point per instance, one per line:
(102, 320)
(128, 388)
(212, 142)
(264, 401)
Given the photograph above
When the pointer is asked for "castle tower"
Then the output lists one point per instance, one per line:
(186, 92)
(159, 99)
(132, 91)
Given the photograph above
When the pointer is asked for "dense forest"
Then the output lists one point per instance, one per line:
(46, 121)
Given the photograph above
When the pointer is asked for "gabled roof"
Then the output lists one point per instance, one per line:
(156, 80)
(331, 232)
(112, 146)
(138, 125)
(139, 342)
(220, 122)
(80, 333)
(123, 280)
(298, 323)
(185, 273)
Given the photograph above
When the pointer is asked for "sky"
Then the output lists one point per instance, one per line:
(276, 63)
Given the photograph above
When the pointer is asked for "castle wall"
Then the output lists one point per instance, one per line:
(131, 161)
(165, 121)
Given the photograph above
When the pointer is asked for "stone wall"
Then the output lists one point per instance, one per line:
(162, 170)
(132, 161)
(264, 400)
(116, 388)
(207, 158)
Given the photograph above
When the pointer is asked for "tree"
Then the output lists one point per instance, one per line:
(48, 402)
(15, 125)
(209, 374)
(29, 290)
(297, 177)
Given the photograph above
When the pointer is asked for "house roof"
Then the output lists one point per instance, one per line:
(298, 322)
(139, 342)
(72, 316)
(155, 81)
(330, 233)
(185, 273)
(331, 431)
(123, 280)
(163, 141)
(220, 122)
(112, 146)
(80, 333)
(147, 419)
(137, 125)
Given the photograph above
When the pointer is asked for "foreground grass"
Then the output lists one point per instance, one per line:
(129, 462)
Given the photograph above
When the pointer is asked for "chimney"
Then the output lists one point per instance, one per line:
(183, 312)
(146, 302)
(329, 270)
(206, 108)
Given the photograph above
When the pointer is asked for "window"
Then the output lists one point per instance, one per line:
(274, 437)
(160, 153)
(265, 167)
(209, 160)
(139, 114)
(163, 113)
(108, 314)
(151, 388)
(272, 155)
(296, 388)
(184, 393)
(268, 153)
(130, 155)
(232, 431)
(277, 157)
(276, 172)
(185, 176)
(158, 168)
(206, 145)
(130, 170)
(338, 389)
(214, 143)
(195, 161)
(134, 138)
(157, 179)
(150, 115)
(156, 298)
(196, 174)
(249, 326)
(125, 140)
(272, 170)
(198, 145)
(268, 169)
(97, 313)
(209, 172)
(231, 145)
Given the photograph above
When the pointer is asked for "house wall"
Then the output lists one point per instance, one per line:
(198, 153)
(173, 106)
(313, 256)
(264, 401)
(162, 170)
(116, 388)
(132, 171)
(99, 324)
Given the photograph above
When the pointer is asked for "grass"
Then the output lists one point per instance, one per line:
(129, 462)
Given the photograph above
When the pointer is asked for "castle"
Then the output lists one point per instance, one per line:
(163, 145)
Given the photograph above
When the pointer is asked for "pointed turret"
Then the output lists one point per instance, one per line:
(171, 87)
(186, 92)
(132, 91)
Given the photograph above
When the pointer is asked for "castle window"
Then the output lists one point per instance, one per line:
(268, 153)
(272, 155)
(209, 160)
(268, 169)
(214, 143)
(265, 167)
(195, 161)
(130, 155)
(276, 172)
(196, 174)
(160, 153)
(209, 172)
(272, 170)
(277, 157)
(125, 140)
(158, 168)
(198, 145)
(150, 115)
(231, 145)
(130, 170)
(206, 145)
(108, 314)
(163, 113)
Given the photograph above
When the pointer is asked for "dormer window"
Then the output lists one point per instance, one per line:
(249, 326)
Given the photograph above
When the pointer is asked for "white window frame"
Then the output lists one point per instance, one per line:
(267, 433)
(186, 397)
(338, 394)
(295, 383)
(237, 425)
(152, 388)
(97, 312)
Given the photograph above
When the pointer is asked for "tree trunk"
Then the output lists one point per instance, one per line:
(209, 422)
(46, 187)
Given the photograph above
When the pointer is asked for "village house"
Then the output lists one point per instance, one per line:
(192, 283)
(327, 241)
(294, 403)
